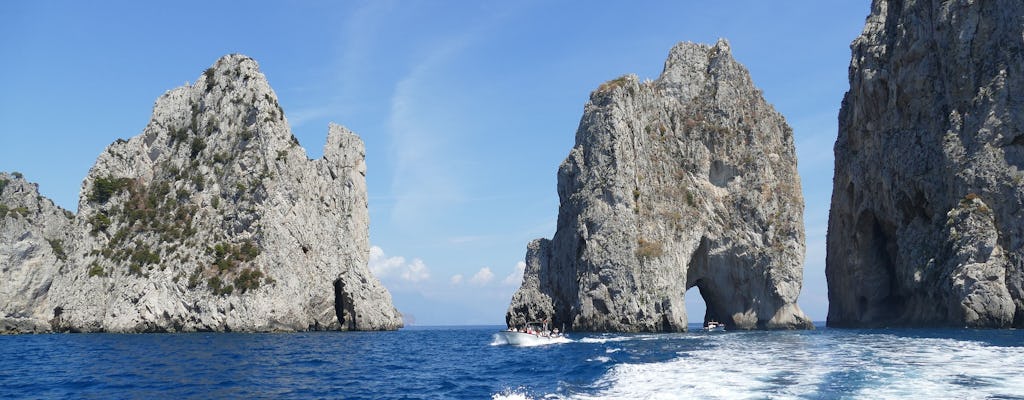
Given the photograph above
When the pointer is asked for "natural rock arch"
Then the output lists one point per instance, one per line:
(686, 180)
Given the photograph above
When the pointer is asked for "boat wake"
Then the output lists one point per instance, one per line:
(510, 395)
(634, 337)
(798, 366)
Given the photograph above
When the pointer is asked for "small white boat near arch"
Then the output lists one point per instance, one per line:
(532, 334)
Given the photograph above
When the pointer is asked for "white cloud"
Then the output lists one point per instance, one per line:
(416, 271)
(385, 267)
(482, 277)
(456, 279)
(516, 277)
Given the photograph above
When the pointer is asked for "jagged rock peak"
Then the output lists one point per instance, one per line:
(343, 146)
(925, 227)
(689, 65)
(214, 219)
(686, 181)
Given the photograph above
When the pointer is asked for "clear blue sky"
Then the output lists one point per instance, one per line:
(466, 107)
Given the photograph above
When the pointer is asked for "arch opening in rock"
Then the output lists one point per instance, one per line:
(699, 308)
(703, 308)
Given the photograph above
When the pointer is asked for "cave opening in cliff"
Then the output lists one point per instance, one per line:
(343, 307)
(880, 297)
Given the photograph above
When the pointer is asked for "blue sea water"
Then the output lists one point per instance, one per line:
(470, 363)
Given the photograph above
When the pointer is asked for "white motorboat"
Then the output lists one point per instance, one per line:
(533, 334)
(714, 326)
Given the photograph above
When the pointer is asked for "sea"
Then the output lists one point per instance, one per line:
(473, 363)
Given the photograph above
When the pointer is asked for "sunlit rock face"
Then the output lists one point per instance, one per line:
(687, 180)
(925, 227)
(34, 243)
(214, 219)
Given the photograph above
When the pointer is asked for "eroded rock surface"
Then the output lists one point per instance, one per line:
(214, 219)
(926, 224)
(34, 245)
(689, 180)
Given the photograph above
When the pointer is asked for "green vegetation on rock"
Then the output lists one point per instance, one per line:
(57, 246)
(96, 270)
(105, 187)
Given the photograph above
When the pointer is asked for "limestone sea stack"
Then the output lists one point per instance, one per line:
(688, 180)
(214, 219)
(926, 226)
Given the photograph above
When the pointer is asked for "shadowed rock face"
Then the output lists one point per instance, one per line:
(689, 180)
(214, 219)
(925, 226)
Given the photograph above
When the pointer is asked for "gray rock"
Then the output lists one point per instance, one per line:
(34, 245)
(214, 219)
(925, 226)
(689, 180)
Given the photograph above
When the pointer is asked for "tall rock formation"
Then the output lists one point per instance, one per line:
(214, 219)
(34, 244)
(689, 180)
(926, 225)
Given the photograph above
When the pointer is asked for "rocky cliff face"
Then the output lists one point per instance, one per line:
(34, 244)
(925, 226)
(214, 219)
(689, 180)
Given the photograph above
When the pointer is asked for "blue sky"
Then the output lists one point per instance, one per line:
(466, 107)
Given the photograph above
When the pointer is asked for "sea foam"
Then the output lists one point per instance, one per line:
(797, 366)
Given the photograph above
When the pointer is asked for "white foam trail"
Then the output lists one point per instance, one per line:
(802, 365)
(610, 339)
(509, 394)
(950, 369)
(604, 340)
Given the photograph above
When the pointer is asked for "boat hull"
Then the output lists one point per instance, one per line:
(527, 339)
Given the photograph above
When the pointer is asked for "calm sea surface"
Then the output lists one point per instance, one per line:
(469, 363)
